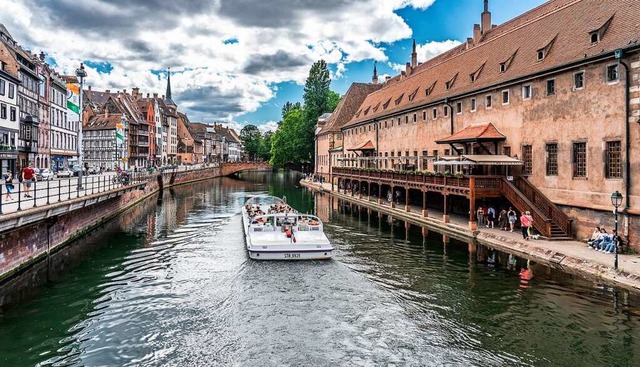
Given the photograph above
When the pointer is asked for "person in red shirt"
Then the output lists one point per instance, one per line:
(28, 175)
(525, 222)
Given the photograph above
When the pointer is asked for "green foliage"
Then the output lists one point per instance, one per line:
(264, 152)
(333, 100)
(251, 140)
(286, 141)
(290, 106)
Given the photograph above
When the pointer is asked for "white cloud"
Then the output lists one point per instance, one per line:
(432, 49)
(276, 41)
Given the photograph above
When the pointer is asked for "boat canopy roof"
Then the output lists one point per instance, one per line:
(265, 200)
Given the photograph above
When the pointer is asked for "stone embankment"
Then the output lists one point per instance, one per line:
(30, 235)
(573, 257)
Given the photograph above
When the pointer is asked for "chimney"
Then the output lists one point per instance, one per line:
(163, 96)
(407, 68)
(108, 91)
(135, 91)
(42, 55)
(477, 34)
(155, 95)
(106, 112)
(486, 18)
(414, 55)
(387, 78)
(147, 95)
(469, 43)
(124, 91)
(89, 87)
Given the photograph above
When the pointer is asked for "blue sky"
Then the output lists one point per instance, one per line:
(444, 20)
(239, 61)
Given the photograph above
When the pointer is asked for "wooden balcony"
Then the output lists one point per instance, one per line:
(481, 186)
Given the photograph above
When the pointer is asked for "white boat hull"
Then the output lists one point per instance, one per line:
(303, 240)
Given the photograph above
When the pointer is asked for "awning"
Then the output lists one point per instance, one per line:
(480, 160)
(474, 133)
(368, 145)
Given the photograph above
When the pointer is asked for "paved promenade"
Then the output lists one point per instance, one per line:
(571, 256)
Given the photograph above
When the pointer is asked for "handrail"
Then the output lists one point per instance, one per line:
(545, 205)
(541, 222)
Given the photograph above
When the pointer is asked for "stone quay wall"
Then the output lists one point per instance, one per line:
(31, 235)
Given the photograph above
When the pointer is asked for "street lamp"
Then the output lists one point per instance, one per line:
(80, 73)
(224, 139)
(616, 200)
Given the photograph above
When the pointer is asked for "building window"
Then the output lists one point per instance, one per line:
(12, 90)
(527, 158)
(3, 111)
(2, 87)
(612, 73)
(503, 67)
(445, 111)
(459, 107)
(424, 115)
(595, 38)
(579, 159)
(415, 117)
(505, 96)
(526, 91)
(552, 159)
(435, 113)
(540, 55)
(488, 101)
(473, 105)
(578, 80)
(406, 119)
(12, 114)
(551, 87)
(613, 167)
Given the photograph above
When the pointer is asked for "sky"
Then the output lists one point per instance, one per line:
(239, 61)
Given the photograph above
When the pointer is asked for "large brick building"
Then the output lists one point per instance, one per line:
(555, 89)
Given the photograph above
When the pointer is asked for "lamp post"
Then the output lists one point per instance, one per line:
(224, 139)
(80, 73)
(616, 200)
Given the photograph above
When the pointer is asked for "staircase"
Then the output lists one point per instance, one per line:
(550, 221)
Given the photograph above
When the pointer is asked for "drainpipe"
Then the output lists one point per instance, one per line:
(618, 55)
(446, 101)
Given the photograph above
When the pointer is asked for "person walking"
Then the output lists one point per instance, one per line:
(502, 220)
(525, 223)
(511, 215)
(8, 184)
(491, 217)
(28, 174)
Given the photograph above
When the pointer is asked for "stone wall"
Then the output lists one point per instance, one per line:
(26, 244)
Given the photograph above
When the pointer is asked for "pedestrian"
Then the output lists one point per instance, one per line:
(8, 184)
(530, 229)
(511, 215)
(525, 223)
(491, 217)
(480, 216)
(28, 174)
(502, 220)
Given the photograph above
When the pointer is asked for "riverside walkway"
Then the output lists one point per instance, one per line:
(570, 256)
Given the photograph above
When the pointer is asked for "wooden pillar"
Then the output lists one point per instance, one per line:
(368, 190)
(379, 193)
(360, 189)
(393, 196)
(425, 210)
(445, 212)
(473, 224)
(407, 208)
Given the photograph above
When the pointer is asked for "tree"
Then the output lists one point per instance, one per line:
(333, 100)
(316, 91)
(289, 106)
(265, 146)
(251, 138)
(287, 140)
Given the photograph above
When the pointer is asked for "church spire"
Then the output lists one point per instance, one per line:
(414, 55)
(168, 93)
(374, 79)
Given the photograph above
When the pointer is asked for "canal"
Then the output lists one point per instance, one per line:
(169, 284)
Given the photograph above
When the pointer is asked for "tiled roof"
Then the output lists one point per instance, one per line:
(367, 145)
(474, 133)
(568, 21)
(348, 106)
(102, 122)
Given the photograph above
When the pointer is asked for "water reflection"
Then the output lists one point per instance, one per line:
(172, 285)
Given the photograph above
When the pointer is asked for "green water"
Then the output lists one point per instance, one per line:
(170, 284)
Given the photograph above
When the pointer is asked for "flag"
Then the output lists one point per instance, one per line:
(73, 97)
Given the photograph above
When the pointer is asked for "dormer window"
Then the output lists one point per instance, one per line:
(595, 38)
(448, 85)
(543, 52)
(540, 55)
(428, 91)
(503, 67)
(476, 74)
(397, 101)
(596, 35)
(472, 77)
(413, 94)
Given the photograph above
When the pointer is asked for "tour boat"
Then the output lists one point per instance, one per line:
(275, 231)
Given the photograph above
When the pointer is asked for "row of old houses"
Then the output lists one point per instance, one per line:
(540, 113)
(118, 128)
(34, 123)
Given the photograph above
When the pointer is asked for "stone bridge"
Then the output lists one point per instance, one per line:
(227, 169)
